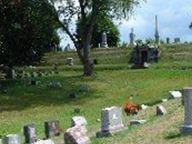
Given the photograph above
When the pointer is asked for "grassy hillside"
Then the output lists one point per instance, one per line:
(113, 84)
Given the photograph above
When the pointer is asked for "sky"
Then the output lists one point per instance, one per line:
(174, 17)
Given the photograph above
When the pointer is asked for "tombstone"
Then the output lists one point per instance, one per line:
(52, 128)
(177, 40)
(157, 37)
(76, 135)
(175, 94)
(11, 139)
(160, 110)
(144, 107)
(132, 37)
(69, 61)
(168, 40)
(187, 97)
(48, 141)
(137, 122)
(30, 133)
(104, 40)
(111, 121)
(78, 120)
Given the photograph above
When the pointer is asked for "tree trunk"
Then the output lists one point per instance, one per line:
(88, 67)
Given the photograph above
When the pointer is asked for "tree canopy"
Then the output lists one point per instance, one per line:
(27, 30)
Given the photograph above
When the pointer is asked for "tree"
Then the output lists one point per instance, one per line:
(190, 26)
(104, 24)
(87, 12)
(27, 30)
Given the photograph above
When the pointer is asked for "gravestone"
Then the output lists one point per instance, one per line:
(175, 94)
(11, 139)
(78, 120)
(132, 37)
(177, 40)
(111, 121)
(30, 133)
(137, 122)
(48, 141)
(104, 40)
(69, 61)
(76, 135)
(168, 40)
(160, 110)
(187, 97)
(52, 128)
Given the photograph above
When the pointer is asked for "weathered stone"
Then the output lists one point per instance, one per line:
(187, 97)
(111, 121)
(30, 133)
(76, 135)
(137, 122)
(160, 110)
(175, 94)
(52, 128)
(132, 37)
(144, 107)
(11, 139)
(78, 120)
(164, 100)
(69, 61)
(104, 40)
(48, 141)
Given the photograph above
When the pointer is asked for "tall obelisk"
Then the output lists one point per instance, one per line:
(156, 30)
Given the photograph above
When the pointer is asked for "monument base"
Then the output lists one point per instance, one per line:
(109, 133)
(186, 129)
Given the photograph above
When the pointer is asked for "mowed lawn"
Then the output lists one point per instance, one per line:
(25, 104)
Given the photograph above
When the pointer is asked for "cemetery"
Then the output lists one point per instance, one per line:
(98, 90)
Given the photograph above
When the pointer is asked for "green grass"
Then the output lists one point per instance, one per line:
(113, 84)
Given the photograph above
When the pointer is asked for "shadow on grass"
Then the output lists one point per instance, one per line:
(20, 96)
(174, 135)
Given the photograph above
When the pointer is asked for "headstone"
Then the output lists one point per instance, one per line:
(30, 133)
(137, 122)
(164, 100)
(78, 120)
(104, 40)
(132, 37)
(160, 110)
(0, 141)
(168, 40)
(69, 61)
(144, 107)
(48, 141)
(175, 94)
(11, 139)
(187, 97)
(76, 135)
(52, 128)
(111, 121)
(177, 40)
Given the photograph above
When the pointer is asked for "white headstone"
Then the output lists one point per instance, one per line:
(187, 97)
(111, 121)
(11, 139)
(160, 110)
(76, 135)
(48, 141)
(78, 120)
(175, 94)
(144, 107)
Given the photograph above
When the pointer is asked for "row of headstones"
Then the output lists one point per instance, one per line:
(111, 122)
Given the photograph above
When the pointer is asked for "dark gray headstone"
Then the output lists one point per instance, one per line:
(52, 128)
(30, 133)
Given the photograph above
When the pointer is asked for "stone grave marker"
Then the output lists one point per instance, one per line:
(52, 128)
(187, 97)
(78, 120)
(175, 94)
(11, 139)
(137, 122)
(48, 141)
(69, 61)
(111, 121)
(76, 135)
(30, 133)
(160, 110)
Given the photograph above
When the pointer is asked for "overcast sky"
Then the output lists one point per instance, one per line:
(174, 18)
